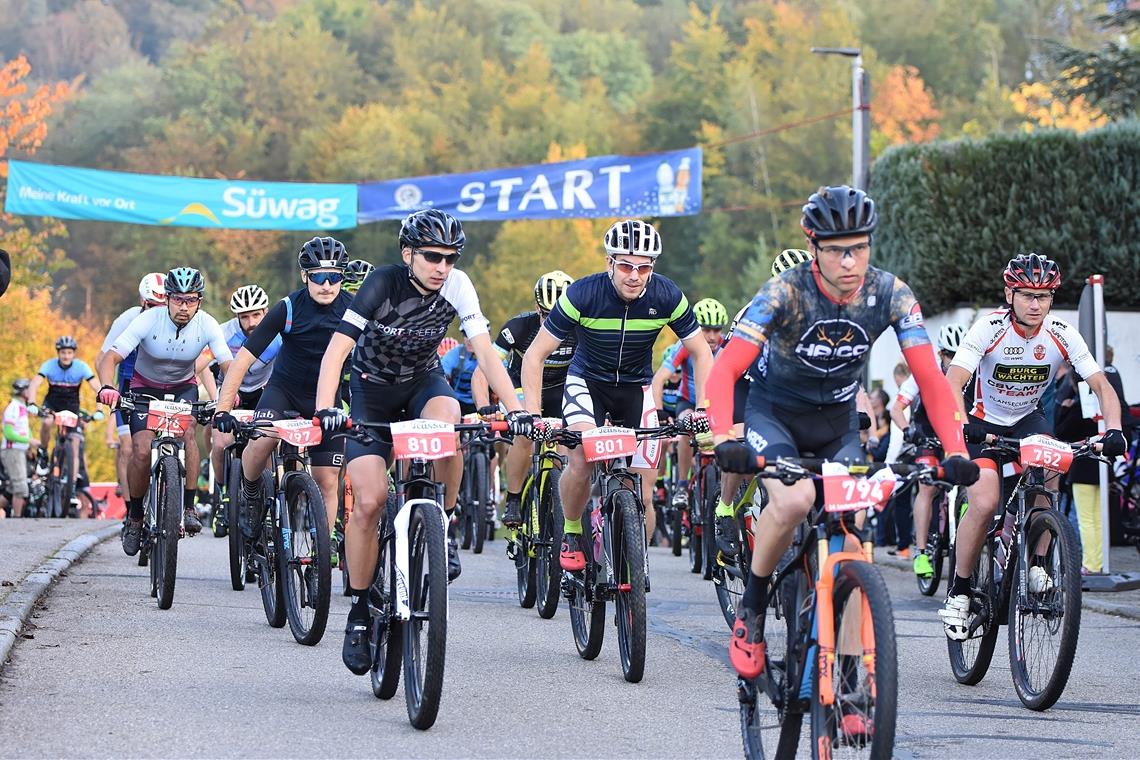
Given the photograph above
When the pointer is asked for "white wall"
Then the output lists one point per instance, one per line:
(1123, 336)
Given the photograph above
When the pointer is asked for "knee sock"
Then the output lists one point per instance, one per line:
(135, 509)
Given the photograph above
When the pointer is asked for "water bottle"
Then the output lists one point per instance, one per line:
(596, 524)
(665, 188)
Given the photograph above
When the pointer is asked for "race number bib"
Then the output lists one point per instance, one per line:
(1047, 453)
(66, 419)
(423, 439)
(300, 433)
(242, 415)
(843, 492)
(605, 443)
(168, 417)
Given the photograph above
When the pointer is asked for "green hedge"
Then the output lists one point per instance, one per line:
(953, 213)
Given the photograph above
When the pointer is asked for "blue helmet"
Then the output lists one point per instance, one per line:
(184, 280)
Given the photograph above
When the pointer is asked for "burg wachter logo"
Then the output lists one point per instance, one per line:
(1034, 373)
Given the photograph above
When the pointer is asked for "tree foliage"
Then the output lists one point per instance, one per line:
(1108, 78)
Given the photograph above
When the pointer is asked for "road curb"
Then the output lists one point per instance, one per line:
(16, 609)
(1095, 604)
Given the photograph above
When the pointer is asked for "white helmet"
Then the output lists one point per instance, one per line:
(152, 288)
(248, 298)
(950, 337)
(633, 237)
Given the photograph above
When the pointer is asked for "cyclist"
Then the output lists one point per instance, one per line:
(169, 342)
(17, 444)
(1013, 354)
(64, 375)
(816, 324)
(151, 293)
(392, 331)
(355, 274)
(712, 318)
(302, 323)
(616, 315)
(949, 338)
(512, 343)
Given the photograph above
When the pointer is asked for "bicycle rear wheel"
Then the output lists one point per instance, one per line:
(387, 635)
(935, 545)
(548, 570)
(481, 494)
(1043, 628)
(466, 504)
(860, 722)
(970, 659)
(168, 520)
(587, 614)
(728, 580)
(425, 650)
(697, 528)
(630, 600)
(711, 493)
(236, 534)
(525, 564)
(304, 561)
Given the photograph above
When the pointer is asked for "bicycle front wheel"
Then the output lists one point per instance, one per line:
(425, 634)
(1044, 627)
(480, 493)
(861, 681)
(548, 570)
(168, 522)
(630, 600)
(304, 560)
(525, 564)
(236, 534)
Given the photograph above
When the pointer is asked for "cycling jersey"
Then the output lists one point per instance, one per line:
(1011, 369)
(515, 338)
(458, 366)
(615, 336)
(680, 361)
(301, 327)
(127, 365)
(397, 329)
(63, 383)
(17, 429)
(672, 390)
(258, 374)
(167, 352)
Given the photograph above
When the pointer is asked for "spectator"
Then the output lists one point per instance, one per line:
(17, 445)
(878, 437)
(1084, 475)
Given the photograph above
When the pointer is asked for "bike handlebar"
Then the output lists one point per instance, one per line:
(202, 411)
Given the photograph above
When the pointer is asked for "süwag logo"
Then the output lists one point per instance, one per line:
(832, 344)
(1039, 352)
(256, 203)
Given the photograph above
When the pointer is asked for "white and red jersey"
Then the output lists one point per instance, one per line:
(1014, 369)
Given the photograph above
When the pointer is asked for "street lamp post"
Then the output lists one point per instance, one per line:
(860, 114)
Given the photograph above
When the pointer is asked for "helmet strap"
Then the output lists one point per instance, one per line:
(416, 282)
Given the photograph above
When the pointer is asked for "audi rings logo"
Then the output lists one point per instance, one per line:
(1013, 351)
(408, 197)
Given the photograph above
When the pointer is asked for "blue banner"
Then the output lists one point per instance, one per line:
(70, 193)
(658, 184)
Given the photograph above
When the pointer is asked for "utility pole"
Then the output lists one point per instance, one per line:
(860, 114)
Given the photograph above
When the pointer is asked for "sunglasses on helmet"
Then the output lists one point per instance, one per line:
(434, 257)
(326, 278)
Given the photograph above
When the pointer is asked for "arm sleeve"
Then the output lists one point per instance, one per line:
(11, 434)
(906, 317)
(83, 367)
(732, 362)
(937, 397)
(130, 337)
(562, 318)
(364, 304)
(505, 340)
(268, 331)
(1075, 349)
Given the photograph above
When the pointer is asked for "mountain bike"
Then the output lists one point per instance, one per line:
(227, 505)
(162, 527)
(946, 510)
(1043, 627)
(704, 493)
(535, 545)
(730, 572)
(285, 538)
(407, 600)
(671, 520)
(617, 569)
(829, 627)
(61, 477)
(476, 505)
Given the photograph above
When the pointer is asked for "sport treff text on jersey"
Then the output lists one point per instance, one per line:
(397, 329)
(515, 338)
(303, 328)
(63, 383)
(166, 352)
(1013, 369)
(817, 346)
(615, 336)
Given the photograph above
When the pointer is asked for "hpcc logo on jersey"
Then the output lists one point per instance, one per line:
(832, 344)
(1039, 352)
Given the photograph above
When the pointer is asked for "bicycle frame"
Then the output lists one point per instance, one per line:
(544, 459)
(416, 482)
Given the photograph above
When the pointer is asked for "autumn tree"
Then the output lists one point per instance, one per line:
(903, 108)
(1041, 107)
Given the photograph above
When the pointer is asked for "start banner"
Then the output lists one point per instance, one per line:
(657, 184)
(73, 193)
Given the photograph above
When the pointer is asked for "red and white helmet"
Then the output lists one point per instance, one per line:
(152, 288)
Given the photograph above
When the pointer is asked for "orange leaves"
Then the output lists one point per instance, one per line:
(903, 109)
(23, 118)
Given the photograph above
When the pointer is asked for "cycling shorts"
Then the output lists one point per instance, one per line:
(249, 399)
(830, 432)
(625, 404)
(278, 403)
(1031, 424)
(187, 392)
(391, 403)
(62, 402)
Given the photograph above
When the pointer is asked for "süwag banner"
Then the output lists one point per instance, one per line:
(73, 193)
(658, 184)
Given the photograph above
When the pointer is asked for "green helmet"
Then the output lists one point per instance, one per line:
(355, 273)
(710, 313)
(788, 258)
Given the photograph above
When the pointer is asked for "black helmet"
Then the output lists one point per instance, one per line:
(1032, 270)
(432, 227)
(323, 253)
(184, 280)
(20, 385)
(66, 341)
(839, 211)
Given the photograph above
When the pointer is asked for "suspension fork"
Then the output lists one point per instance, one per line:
(825, 617)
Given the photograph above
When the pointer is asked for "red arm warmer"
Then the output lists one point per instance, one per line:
(731, 363)
(937, 397)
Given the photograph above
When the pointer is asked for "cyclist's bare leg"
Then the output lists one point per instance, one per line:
(193, 463)
(328, 480)
(647, 484)
(448, 471)
(138, 473)
(684, 461)
(787, 508)
(574, 487)
(972, 529)
(73, 452)
(922, 507)
(255, 457)
(369, 476)
(730, 483)
(518, 462)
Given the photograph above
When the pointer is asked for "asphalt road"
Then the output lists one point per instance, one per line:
(108, 674)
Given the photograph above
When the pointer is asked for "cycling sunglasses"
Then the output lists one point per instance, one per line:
(434, 257)
(628, 269)
(326, 278)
